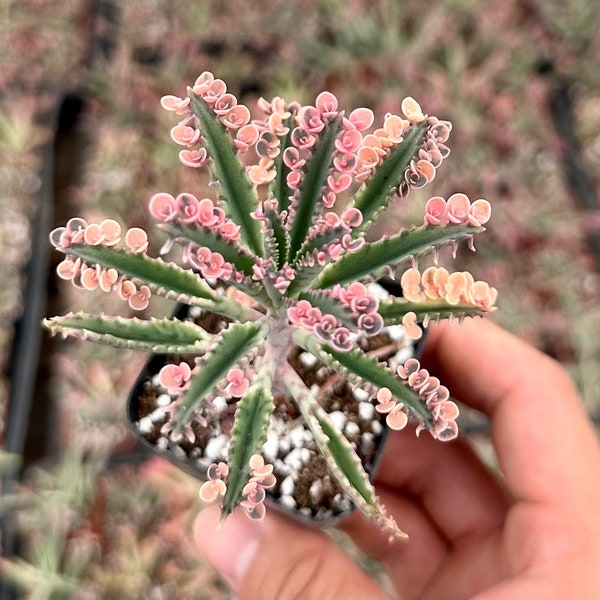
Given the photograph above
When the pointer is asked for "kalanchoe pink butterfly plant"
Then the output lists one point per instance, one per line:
(276, 255)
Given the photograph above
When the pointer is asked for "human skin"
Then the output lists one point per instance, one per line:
(532, 533)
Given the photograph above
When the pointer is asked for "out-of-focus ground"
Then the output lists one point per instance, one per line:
(82, 133)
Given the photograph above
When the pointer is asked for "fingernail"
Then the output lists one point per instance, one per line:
(229, 546)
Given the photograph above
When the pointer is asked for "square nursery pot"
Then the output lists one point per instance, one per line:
(304, 489)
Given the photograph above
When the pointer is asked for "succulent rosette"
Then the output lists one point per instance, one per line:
(280, 251)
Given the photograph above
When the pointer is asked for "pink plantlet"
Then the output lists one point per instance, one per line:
(397, 418)
(230, 231)
(479, 212)
(368, 158)
(214, 91)
(163, 207)
(263, 172)
(458, 208)
(246, 137)
(395, 128)
(303, 139)
(89, 278)
(68, 268)
(385, 401)
(339, 182)
(184, 135)
(310, 118)
(350, 244)
(348, 141)
(202, 83)
(311, 318)
(412, 110)
(436, 211)
(361, 118)
(411, 285)
(352, 218)
(193, 158)
(294, 179)
(187, 207)
(325, 327)
(140, 299)
(208, 215)
(411, 328)
(370, 323)
(210, 490)
(328, 199)
(175, 377)
(327, 104)
(136, 240)
(224, 104)
(237, 383)
(236, 117)
(345, 162)
(175, 104)
(341, 339)
(419, 174)
(108, 279)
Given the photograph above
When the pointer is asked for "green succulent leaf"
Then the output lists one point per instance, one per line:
(247, 438)
(394, 310)
(371, 258)
(375, 196)
(166, 279)
(229, 347)
(344, 463)
(315, 178)
(153, 335)
(236, 189)
(360, 367)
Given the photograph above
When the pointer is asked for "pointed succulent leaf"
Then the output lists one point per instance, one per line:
(231, 345)
(370, 369)
(305, 275)
(247, 438)
(153, 335)
(166, 279)
(360, 367)
(374, 197)
(315, 178)
(236, 189)
(394, 310)
(344, 463)
(371, 258)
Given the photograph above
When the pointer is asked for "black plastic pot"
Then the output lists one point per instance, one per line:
(321, 503)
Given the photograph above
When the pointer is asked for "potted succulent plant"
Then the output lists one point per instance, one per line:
(285, 346)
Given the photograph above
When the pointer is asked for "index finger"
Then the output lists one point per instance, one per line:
(544, 441)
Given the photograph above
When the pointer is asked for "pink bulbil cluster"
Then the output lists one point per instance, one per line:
(92, 276)
(356, 156)
(254, 492)
(362, 307)
(435, 396)
(457, 210)
(215, 485)
(175, 377)
(455, 288)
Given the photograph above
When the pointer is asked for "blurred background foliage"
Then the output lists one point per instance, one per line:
(82, 133)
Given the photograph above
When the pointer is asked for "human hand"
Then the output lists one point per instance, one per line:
(534, 535)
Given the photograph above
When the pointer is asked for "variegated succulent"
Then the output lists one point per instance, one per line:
(280, 252)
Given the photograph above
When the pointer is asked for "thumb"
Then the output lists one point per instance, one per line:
(276, 559)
